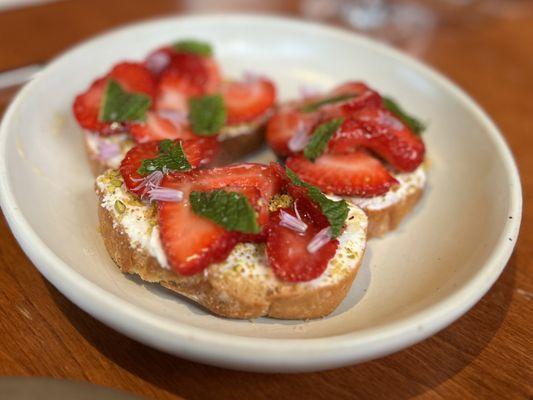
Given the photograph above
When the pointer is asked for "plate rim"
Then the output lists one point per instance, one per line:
(271, 354)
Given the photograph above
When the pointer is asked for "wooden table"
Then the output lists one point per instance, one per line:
(488, 353)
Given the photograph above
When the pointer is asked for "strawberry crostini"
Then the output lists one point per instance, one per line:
(177, 92)
(244, 241)
(357, 145)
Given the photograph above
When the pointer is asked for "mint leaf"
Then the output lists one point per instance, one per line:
(412, 122)
(230, 210)
(315, 105)
(120, 106)
(207, 114)
(194, 46)
(320, 138)
(171, 157)
(335, 211)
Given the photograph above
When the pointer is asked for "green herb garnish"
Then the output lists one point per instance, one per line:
(207, 114)
(412, 122)
(171, 157)
(120, 106)
(315, 105)
(230, 210)
(193, 46)
(335, 211)
(320, 138)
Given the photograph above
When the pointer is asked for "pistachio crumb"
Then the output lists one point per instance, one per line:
(120, 207)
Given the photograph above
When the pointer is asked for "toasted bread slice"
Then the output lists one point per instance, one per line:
(386, 212)
(236, 141)
(243, 286)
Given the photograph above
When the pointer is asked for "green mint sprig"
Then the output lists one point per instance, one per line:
(412, 122)
(193, 46)
(207, 114)
(120, 106)
(171, 157)
(320, 138)
(230, 210)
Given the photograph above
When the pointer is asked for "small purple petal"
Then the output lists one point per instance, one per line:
(149, 182)
(165, 194)
(300, 139)
(319, 240)
(107, 150)
(251, 77)
(291, 222)
(307, 91)
(157, 61)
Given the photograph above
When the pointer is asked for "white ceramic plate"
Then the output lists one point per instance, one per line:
(414, 282)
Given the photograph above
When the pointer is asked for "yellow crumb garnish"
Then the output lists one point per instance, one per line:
(279, 201)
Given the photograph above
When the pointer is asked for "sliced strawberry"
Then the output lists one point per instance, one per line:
(200, 151)
(284, 125)
(174, 91)
(265, 178)
(287, 250)
(355, 174)
(192, 242)
(363, 97)
(248, 100)
(133, 77)
(86, 106)
(157, 127)
(197, 151)
(383, 133)
(200, 71)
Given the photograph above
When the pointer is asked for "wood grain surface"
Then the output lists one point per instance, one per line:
(487, 354)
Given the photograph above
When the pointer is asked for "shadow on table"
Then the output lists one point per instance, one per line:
(401, 375)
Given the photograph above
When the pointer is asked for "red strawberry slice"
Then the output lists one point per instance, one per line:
(383, 133)
(287, 250)
(133, 77)
(356, 174)
(157, 127)
(174, 91)
(287, 123)
(192, 242)
(86, 107)
(200, 71)
(248, 100)
(198, 152)
(364, 97)
(266, 179)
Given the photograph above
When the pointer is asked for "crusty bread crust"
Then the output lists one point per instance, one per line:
(233, 298)
(387, 219)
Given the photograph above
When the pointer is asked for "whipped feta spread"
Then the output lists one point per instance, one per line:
(96, 143)
(138, 220)
(408, 183)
